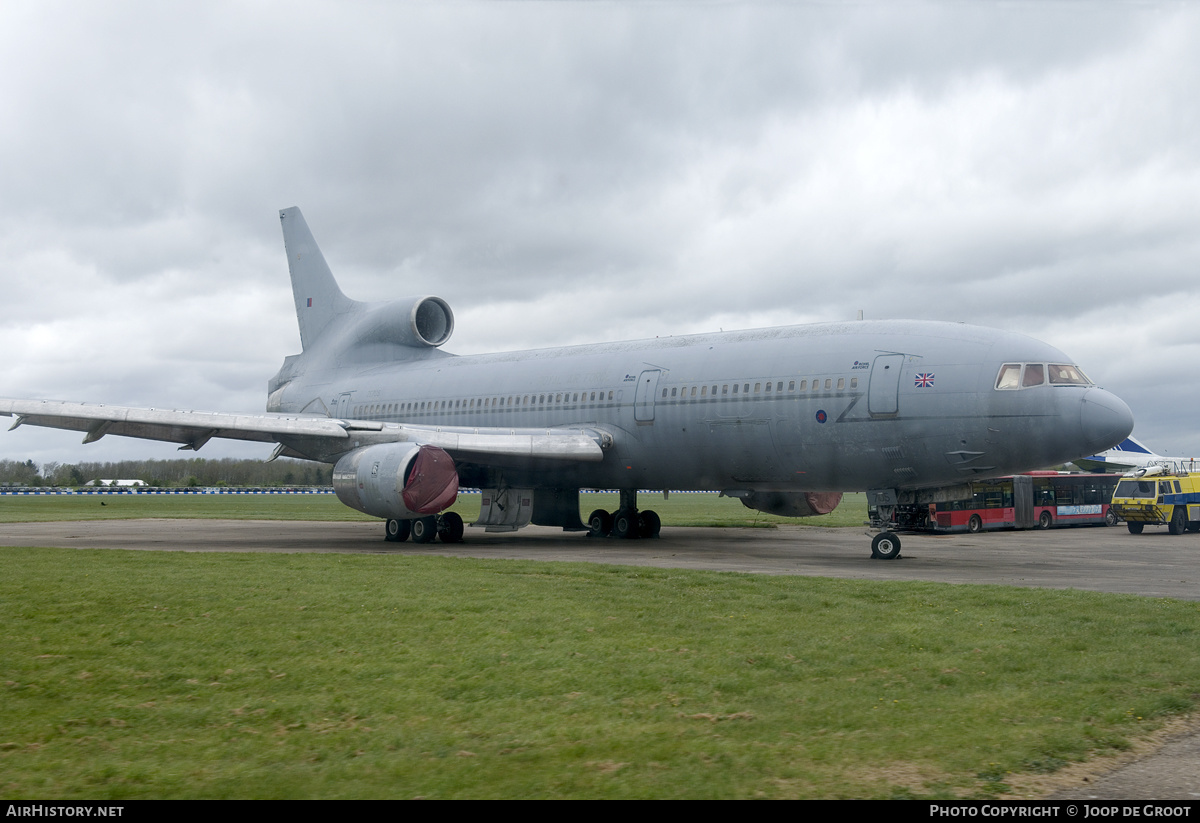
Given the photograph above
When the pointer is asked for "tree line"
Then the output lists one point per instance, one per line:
(170, 473)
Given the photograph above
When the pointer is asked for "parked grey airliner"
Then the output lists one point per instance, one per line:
(784, 419)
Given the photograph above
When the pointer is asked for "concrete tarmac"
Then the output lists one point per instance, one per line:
(1153, 564)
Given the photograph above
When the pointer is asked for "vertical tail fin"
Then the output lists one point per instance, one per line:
(318, 298)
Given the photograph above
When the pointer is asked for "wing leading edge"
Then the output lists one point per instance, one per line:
(311, 437)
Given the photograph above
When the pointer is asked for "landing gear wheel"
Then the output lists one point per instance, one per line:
(396, 531)
(600, 523)
(649, 524)
(424, 529)
(974, 525)
(885, 546)
(450, 527)
(1135, 528)
(625, 524)
(1045, 520)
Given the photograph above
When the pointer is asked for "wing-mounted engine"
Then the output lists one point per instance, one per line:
(789, 504)
(396, 480)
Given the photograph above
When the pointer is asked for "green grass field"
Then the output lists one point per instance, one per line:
(179, 675)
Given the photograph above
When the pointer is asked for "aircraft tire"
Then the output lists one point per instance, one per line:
(625, 524)
(649, 524)
(424, 529)
(1045, 520)
(600, 523)
(974, 525)
(1178, 523)
(396, 531)
(885, 546)
(1135, 528)
(450, 528)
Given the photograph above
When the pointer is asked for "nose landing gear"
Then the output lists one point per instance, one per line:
(881, 504)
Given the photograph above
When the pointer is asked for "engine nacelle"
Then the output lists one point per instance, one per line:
(410, 321)
(793, 504)
(396, 480)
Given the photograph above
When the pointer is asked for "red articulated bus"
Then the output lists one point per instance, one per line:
(1038, 500)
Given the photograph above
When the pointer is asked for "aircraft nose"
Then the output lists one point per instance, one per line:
(1104, 420)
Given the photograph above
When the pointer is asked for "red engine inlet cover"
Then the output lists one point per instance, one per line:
(432, 482)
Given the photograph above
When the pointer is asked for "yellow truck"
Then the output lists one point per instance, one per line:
(1158, 496)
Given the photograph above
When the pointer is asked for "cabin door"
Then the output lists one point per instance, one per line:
(883, 397)
(643, 398)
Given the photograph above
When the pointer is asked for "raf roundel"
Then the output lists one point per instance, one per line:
(821, 416)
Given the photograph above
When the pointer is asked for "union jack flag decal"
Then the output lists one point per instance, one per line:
(924, 380)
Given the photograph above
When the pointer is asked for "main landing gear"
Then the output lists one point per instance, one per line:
(448, 527)
(881, 504)
(626, 522)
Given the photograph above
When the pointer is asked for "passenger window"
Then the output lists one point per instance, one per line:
(672, 392)
(1035, 375)
(854, 382)
(768, 386)
(791, 385)
(664, 393)
(841, 383)
(703, 391)
(693, 391)
(735, 388)
(745, 388)
(1010, 375)
(757, 386)
(828, 383)
(803, 385)
(724, 389)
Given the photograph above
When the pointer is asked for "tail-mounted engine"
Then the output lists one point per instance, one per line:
(410, 321)
(397, 481)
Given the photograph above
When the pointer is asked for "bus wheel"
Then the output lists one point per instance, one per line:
(1045, 521)
(1110, 518)
(885, 546)
(1135, 528)
(974, 525)
(1178, 521)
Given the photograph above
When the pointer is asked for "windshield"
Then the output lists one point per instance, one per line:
(1014, 376)
(1135, 489)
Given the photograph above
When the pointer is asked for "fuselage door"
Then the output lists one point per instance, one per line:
(343, 405)
(883, 397)
(643, 398)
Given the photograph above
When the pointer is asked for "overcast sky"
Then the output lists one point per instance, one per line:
(576, 172)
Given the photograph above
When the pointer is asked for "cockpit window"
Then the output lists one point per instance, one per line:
(1061, 374)
(1014, 376)
(1010, 376)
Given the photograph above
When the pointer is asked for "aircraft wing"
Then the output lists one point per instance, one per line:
(193, 429)
(1096, 463)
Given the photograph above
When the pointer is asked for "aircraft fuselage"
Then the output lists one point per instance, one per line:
(826, 407)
